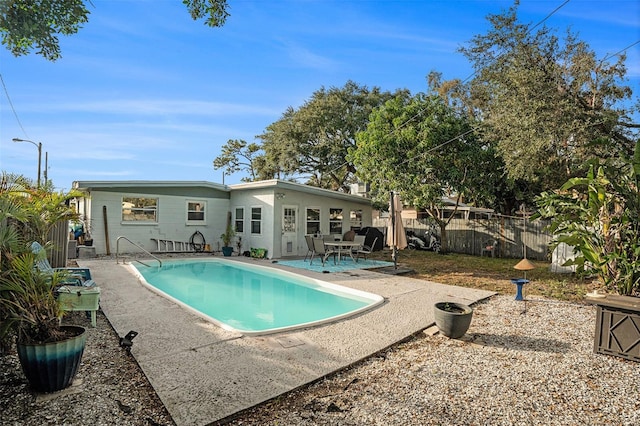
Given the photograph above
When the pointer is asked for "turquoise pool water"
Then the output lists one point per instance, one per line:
(254, 299)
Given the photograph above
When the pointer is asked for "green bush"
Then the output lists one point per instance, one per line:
(599, 216)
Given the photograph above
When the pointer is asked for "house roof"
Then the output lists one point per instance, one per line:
(293, 186)
(273, 184)
(107, 184)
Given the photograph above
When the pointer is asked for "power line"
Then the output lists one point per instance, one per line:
(528, 32)
(551, 14)
(620, 51)
(12, 108)
(410, 119)
(467, 132)
(461, 135)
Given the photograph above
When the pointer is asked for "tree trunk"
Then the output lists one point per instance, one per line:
(444, 245)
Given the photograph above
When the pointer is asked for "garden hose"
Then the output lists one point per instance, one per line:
(197, 241)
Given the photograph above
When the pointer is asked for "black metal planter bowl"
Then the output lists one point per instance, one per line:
(50, 367)
(452, 319)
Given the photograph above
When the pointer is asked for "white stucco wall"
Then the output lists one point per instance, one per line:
(272, 204)
(271, 196)
(263, 198)
(171, 221)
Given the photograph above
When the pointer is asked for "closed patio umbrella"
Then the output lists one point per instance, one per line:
(396, 237)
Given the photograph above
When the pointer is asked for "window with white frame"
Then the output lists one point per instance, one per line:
(256, 220)
(335, 221)
(289, 219)
(196, 212)
(313, 220)
(139, 209)
(239, 220)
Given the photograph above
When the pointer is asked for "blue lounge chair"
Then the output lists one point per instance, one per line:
(77, 292)
(77, 276)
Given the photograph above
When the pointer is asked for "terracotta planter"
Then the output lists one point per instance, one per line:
(452, 319)
(50, 367)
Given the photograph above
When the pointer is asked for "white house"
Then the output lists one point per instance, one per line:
(273, 214)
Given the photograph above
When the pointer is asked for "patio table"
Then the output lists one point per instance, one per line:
(342, 245)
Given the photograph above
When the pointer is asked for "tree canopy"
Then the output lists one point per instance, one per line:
(421, 148)
(548, 105)
(28, 213)
(238, 155)
(29, 24)
(312, 141)
(599, 216)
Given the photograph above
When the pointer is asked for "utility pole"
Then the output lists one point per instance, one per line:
(39, 146)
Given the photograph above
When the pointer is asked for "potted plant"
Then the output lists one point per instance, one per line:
(88, 239)
(229, 233)
(30, 312)
(452, 319)
(597, 215)
(49, 352)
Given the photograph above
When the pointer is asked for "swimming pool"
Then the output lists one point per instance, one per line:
(253, 299)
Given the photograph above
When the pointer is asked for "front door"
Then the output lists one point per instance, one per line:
(289, 231)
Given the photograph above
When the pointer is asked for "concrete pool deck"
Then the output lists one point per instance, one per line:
(203, 373)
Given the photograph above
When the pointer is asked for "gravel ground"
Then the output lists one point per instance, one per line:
(511, 368)
(109, 388)
(536, 367)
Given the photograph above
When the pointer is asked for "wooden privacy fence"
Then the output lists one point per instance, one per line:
(513, 235)
(59, 236)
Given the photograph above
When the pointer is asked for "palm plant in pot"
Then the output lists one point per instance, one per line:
(49, 352)
(229, 233)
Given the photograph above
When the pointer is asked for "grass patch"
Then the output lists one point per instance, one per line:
(489, 273)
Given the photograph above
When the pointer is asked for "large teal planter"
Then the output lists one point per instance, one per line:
(51, 367)
(452, 319)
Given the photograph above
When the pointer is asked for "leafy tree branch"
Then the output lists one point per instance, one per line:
(26, 25)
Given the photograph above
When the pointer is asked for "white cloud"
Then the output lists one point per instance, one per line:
(306, 58)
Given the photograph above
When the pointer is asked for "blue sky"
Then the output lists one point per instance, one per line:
(143, 92)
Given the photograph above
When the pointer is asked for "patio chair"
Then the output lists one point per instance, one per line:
(489, 248)
(360, 239)
(77, 276)
(309, 240)
(366, 250)
(322, 251)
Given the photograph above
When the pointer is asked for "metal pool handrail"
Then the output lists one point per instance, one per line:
(137, 245)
